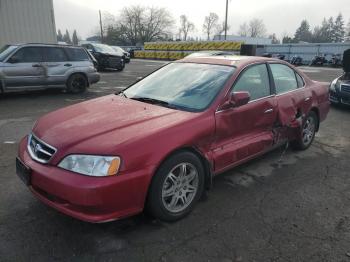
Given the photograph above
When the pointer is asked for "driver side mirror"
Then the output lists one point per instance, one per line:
(13, 60)
(236, 99)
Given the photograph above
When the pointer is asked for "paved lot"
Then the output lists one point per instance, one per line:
(291, 207)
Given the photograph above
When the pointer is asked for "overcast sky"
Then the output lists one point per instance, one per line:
(280, 16)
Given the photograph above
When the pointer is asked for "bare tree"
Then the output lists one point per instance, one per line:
(138, 24)
(221, 28)
(243, 29)
(185, 26)
(257, 28)
(210, 24)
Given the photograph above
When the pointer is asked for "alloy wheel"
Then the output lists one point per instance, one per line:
(180, 187)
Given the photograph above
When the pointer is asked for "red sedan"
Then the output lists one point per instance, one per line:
(157, 144)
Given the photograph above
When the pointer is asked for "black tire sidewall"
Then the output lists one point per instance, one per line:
(71, 89)
(154, 202)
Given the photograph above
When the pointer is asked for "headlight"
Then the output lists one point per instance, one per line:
(98, 166)
(334, 84)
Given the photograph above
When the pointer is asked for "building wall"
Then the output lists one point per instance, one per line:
(306, 51)
(25, 21)
(246, 40)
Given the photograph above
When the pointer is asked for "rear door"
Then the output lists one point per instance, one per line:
(246, 131)
(56, 65)
(293, 99)
(24, 69)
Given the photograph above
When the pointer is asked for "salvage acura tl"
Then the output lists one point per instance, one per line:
(157, 144)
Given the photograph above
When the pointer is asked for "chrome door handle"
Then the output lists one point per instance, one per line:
(268, 111)
(307, 99)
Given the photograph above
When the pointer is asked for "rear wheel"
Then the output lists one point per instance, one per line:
(77, 83)
(176, 187)
(308, 132)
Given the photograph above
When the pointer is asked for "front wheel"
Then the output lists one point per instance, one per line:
(176, 187)
(308, 132)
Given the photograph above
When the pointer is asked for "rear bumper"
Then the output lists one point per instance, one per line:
(94, 78)
(86, 198)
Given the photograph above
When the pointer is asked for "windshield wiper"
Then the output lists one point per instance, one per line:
(121, 93)
(154, 102)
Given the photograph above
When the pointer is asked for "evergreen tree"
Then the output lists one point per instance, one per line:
(339, 30)
(303, 33)
(59, 36)
(75, 39)
(331, 36)
(348, 29)
(66, 37)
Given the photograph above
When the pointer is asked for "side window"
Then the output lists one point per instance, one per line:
(77, 54)
(55, 54)
(300, 80)
(254, 80)
(28, 55)
(284, 77)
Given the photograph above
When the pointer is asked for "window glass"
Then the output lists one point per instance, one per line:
(77, 54)
(284, 77)
(190, 86)
(300, 80)
(28, 55)
(55, 54)
(254, 80)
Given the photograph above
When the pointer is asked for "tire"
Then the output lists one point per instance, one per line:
(122, 66)
(173, 195)
(77, 83)
(308, 132)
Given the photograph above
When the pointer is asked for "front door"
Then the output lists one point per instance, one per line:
(243, 132)
(24, 69)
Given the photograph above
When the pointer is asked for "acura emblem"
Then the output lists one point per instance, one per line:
(37, 148)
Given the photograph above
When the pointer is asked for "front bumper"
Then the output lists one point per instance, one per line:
(90, 199)
(339, 97)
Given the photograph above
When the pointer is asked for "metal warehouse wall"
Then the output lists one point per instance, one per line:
(23, 21)
(306, 51)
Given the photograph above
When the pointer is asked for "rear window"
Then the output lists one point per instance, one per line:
(77, 54)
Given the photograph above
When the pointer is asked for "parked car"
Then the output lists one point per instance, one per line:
(340, 87)
(126, 55)
(318, 60)
(297, 60)
(41, 66)
(132, 49)
(155, 147)
(106, 56)
(209, 53)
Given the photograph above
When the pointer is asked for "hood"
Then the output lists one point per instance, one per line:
(116, 118)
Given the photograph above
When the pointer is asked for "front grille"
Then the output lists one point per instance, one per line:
(39, 150)
(345, 88)
(114, 61)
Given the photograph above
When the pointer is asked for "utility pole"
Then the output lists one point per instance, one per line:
(226, 19)
(101, 27)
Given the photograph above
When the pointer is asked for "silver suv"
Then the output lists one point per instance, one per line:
(41, 66)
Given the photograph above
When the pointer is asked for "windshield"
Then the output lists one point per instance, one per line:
(104, 48)
(5, 51)
(185, 85)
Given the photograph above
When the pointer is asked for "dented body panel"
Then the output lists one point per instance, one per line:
(144, 135)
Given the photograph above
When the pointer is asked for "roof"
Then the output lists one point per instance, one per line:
(42, 44)
(231, 60)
